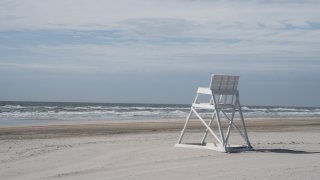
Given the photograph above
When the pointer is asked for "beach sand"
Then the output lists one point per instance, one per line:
(284, 149)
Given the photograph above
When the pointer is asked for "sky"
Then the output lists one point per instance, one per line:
(159, 51)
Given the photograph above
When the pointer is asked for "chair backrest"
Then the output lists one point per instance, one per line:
(224, 84)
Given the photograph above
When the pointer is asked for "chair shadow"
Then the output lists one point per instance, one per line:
(287, 151)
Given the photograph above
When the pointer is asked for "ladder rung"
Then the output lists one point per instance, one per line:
(196, 130)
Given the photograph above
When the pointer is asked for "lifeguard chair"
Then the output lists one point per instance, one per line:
(223, 102)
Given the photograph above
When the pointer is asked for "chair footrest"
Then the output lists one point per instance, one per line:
(211, 106)
(203, 105)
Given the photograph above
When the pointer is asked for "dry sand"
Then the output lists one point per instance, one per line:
(284, 149)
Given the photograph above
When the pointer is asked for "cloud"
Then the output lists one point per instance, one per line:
(99, 14)
(149, 35)
(141, 58)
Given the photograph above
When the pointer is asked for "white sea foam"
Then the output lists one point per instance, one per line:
(79, 111)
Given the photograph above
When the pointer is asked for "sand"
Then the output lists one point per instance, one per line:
(284, 149)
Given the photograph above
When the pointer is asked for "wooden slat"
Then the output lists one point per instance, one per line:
(224, 84)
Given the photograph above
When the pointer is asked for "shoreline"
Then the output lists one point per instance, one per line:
(91, 128)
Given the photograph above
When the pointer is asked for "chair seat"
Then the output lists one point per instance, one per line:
(203, 90)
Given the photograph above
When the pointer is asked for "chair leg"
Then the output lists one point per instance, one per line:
(220, 129)
(184, 127)
(206, 125)
(243, 123)
(229, 126)
(207, 130)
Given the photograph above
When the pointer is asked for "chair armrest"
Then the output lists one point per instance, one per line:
(203, 90)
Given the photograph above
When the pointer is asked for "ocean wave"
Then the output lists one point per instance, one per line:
(91, 114)
(70, 111)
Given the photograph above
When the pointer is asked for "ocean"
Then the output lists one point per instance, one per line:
(44, 112)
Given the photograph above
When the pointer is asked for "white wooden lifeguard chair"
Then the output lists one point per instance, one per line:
(223, 102)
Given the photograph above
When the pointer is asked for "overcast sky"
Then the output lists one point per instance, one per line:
(159, 51)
